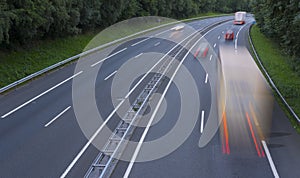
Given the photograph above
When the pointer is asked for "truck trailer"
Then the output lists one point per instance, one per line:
(239, 18)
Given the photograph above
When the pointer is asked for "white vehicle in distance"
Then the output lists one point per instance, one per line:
(239, 18)
(177, 28)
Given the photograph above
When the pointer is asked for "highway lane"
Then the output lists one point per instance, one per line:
(158, 168)
(242, 160)
(51, 150)
(279, 130)
(183, 162)
(26, 144)
(100, 134)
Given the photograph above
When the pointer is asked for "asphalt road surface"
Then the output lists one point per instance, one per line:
(40, 135)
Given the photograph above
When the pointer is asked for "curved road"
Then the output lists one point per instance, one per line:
(40, 135)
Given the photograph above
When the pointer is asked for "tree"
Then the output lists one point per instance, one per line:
(6, 18)
(130, 9)
(30, 19)
(90, 14)
(280, 20)
(26, 20)
(111, 11)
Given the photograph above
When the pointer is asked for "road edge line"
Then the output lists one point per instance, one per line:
(269, 78)
(272, 165)
(76, 57)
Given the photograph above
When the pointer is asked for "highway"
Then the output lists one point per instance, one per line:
(41, 136)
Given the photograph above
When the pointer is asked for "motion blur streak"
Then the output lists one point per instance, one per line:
(247, 93)
(226, 148)
(261, 136)
(253, 135)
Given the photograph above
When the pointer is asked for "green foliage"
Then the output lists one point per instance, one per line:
(6, 18)
(15, 65)
(285, 79)
(280, 20)
(22, 21)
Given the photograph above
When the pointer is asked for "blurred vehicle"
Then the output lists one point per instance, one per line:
(229, 35)
(178, 27)
(202, 50)
(239, 18)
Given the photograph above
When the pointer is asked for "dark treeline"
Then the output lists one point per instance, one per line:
(22, 21)
(280, 20)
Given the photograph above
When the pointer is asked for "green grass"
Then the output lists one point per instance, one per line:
(209, 14)
(15, 65)
(20, 63)
(279, 67)
(125, 28)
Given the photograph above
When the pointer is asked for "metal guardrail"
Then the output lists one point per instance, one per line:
(117, 146)
(43, 71)
(107, 159)
(269, 78)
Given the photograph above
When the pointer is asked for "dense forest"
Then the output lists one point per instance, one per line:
(22, 21)
(280, 20)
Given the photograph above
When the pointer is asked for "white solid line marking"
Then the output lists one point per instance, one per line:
(141, 41)
(56, 117)
(210, 57)
(38, 96)
(237, 36)
(219, 37)
(235, 44)
(215, 45)
(206, 78)
(161, 32)
(145, 75)
(202, 121)
(157, 44)
(275, 173)
(93, 65)
(71, 165)
(138, 55)
(110, 75)
(90, 141)
(135, 154)
(222, 32)
(128, 170)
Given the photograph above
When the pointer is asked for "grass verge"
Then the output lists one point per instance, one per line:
(15, 65)
(278, 67)
(20, 63)
(209, 14)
